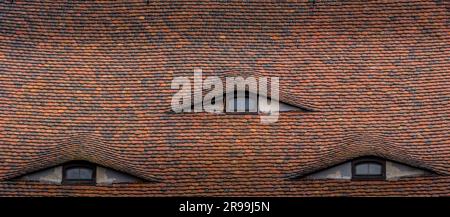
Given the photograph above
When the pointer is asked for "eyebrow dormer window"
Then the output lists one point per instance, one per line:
(368, 168)
(79, 173)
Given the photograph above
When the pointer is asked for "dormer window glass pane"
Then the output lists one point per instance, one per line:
(79, 173)
(369, 168)
(246, 103)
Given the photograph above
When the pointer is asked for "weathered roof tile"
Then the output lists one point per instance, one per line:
(92, 80)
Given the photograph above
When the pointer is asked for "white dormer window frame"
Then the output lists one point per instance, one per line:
(79, 173)
(368, 168)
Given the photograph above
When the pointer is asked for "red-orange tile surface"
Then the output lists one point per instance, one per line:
(90, 80)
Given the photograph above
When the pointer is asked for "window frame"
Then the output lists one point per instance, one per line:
(381, 162)
(71, 165)
(234, 96)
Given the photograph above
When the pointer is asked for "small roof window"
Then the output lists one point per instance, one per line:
(368, 168)
(79, 173)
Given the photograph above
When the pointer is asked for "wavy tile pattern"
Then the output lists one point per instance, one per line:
(91, 80)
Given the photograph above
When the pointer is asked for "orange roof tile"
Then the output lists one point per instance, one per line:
(91, 80)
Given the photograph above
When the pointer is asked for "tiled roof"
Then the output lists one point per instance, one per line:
(430, 186)
(91, 81)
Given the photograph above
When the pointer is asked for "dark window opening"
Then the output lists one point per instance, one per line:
(369, 168)
(79, 173)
